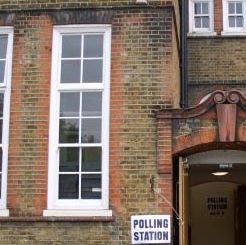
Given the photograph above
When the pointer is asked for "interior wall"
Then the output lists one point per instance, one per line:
(217, 156)
(212, 213)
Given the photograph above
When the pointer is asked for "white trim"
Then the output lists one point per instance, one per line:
(4, 213)
(201, 34)
(74, 205)
(201, 31)
(72, 87)
(230, 33)
(6, 89)
(233, 31)
(78, 213)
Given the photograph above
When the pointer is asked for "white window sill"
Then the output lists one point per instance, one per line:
(4, 212)
(201, 34)
(78, 213)
(233, 33)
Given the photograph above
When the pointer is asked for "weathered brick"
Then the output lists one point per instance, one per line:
(215, 63)
(144, 77)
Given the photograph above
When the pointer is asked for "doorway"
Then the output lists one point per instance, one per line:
(212, 198)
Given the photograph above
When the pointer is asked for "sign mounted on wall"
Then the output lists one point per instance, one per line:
(149, 229)
(217, 205)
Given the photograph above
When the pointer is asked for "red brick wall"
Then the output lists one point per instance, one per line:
(218, 16)
(58, 4)
(29, 117)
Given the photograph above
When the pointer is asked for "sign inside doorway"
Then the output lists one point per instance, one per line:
(149, 229)
(217, 205)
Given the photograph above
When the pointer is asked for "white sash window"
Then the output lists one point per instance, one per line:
(79, 119)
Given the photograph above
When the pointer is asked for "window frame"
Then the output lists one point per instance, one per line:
(5, 88)
(233, 30)
(72, 206)
(201, 31)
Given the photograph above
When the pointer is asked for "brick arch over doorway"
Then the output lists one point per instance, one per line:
(219, 122)
(204, 140)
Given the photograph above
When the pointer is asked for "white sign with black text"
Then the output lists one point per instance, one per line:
(147, 229)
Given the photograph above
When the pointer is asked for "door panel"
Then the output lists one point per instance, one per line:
(241, 216)
(183, 203)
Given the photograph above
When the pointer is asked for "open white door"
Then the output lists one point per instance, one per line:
(183, 203)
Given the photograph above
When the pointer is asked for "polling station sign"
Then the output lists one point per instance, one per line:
(149, 229)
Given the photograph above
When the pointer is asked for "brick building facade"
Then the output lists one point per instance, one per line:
(92, 129)
(144, 75)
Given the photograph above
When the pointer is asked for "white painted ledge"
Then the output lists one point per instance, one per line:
(4, 212)
(201, 34)
(232, 33)
(78, 213)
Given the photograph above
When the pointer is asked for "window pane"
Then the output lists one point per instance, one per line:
(68, 186)
(232, 21)
(0, 185)
(71, 46)
(69, 131)
(91, 159)
(1, 159)
(198, 21)
(93, 46)
(204, 8)
(69, 159)
(91, 186)
(92, 71)
(231, 7)
(239, 8)
(239, 20)
(91, 131)
(1, 130)
(2, 70)
(69, 104)
(3, 46)
(205, 22)
(70, 71)
(197, 8)
(1, 104)
(92, 104)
